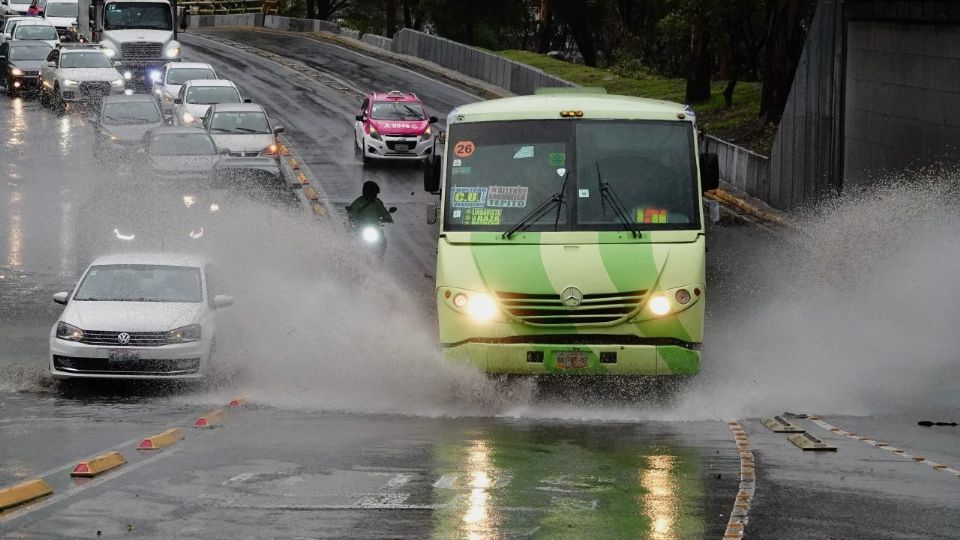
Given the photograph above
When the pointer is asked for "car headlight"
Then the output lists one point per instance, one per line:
(109, 52)
(173, 52)
(69, 332)
(155, 76)
(119, 235)
(118, 82)
(372, 131)
(128, 75)
(426, 134)
(184, 334)
(70, 82)
(270, 150)
(195, 233)
(188, 118)
(659, 304)
(370, 234)
(16, 71)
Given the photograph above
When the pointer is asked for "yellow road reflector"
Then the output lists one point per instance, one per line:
(938, 466)
(23, 493)
(311, 193)
(302, 178)
(919, 458)
(284, 150)
(778, 424)
(163, 440)
(98, 465)
(211, 418)
(294, 165)
(808, 442)
(318, 209)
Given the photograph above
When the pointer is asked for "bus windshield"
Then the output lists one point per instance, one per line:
(613, 174)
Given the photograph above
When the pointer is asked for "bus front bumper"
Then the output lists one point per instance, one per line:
(541, 359)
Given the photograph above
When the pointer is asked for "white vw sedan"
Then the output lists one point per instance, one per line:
(136, 316)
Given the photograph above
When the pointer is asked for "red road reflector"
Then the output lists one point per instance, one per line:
(98, 465)
(23, 493)
(234, 403)
(162, 440)
(211, 419)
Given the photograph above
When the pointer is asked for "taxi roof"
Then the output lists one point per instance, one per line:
(395, 95)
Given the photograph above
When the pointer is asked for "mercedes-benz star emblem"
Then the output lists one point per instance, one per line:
(571, 297)
(123, 338)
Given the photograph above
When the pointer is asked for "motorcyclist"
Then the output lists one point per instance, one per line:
(368, 208)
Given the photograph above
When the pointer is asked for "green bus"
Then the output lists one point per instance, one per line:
(571, 235)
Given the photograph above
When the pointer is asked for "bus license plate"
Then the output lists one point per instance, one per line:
(402, 147)
(572, 360)
(120, 355)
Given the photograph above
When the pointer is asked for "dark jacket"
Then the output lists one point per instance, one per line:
(368, 211)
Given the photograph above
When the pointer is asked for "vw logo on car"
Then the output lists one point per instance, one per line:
(123, 338)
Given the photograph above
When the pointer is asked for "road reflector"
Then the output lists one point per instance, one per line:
(302, 178)
(234, 403)
(919, 458)
(808, 442)
(23, 493)
(778, 424)
(285, 150)
(938, 466)
(318, 209)
(163, 440)
(311, 193)
(212, 418)
(294, 165)
(98, 465)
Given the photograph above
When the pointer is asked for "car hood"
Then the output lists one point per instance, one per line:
(27, 65)
(172, 90)
(50, 42)
(400, 127)
(90, 74)
(185, 164)
(242, 143)
(131, 316)
(61, 22)
(129, 132)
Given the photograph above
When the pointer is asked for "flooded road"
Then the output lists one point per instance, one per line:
(352, 426)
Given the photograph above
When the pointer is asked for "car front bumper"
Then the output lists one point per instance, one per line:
(387, 148)
(70, 360)
(74, 94)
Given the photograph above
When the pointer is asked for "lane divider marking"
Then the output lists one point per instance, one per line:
(211, 419)
(24, 492)
(98, 465)
(162, 440)
(741, 505)
(882, 445)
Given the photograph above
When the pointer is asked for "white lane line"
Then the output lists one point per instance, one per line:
(741, 505)
(882, 445)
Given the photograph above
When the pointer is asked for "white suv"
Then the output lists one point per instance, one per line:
(78, 73)
(137, 316)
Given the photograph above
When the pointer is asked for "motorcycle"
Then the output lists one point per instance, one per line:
(372, 237)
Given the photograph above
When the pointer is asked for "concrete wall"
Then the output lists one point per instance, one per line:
(744, 169)
(291, 24)
(902, 97)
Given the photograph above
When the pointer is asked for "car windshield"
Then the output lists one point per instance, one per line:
(130, 112)
(29, 52)
(499, 172)
(239, 122)
(182, 75)
(60, 9)
(137, 15)
(182, 144)
(85, 59)
(140, 283)
(397, 110)
(208, 95)
(34, 31)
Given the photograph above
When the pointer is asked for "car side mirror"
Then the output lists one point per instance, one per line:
(709, 171)
(222, 301)
(51, 64)
(61, 298)
(7, 36)
(431, 174)
(3, 58)
(361, 118)
(278, 130)
(117, 64)
(392, 209)
(177, 101)
(434, 120)
(432, 211)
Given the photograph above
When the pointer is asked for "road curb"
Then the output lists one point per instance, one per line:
(24, 492)
(98, 465)
(161, 440)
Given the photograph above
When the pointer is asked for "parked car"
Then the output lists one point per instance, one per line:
(20, 63)
(138, 316)
(168, 81)
(78, 73)
(242, 130)
(122, 122)
(196, 97)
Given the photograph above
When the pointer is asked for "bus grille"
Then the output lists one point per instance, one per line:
(141, 50)
(548, 309)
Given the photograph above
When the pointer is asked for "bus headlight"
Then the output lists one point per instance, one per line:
(659, 305)
(481, 307)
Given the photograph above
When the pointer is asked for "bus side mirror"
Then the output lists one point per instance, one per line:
(431, 174)
(434, 120)
(432, 211)
(92, 15)
(709, 171)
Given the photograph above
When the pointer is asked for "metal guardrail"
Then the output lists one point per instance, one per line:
(231, 7)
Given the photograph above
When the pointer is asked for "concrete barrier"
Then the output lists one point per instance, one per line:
(375, 40)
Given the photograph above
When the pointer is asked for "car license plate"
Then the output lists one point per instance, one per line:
(402, 147)
(122, 355)
(572, 360)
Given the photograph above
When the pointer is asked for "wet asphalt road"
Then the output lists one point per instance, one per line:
(322, 452)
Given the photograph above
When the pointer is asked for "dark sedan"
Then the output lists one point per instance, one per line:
(180, 152)
(122, 123)
(20, 62)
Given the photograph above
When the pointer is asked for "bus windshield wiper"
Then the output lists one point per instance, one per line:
(557, 199)
(607, 194)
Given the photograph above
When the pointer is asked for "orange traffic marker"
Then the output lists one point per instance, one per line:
(294, 165)
(234, 403)
(285, 150)
(318, 209)
(302, 178)
(23, 493)
(212, 418)
(311, 193)
(163, 440)
(98, 465)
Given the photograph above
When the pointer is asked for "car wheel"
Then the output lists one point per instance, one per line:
(44, 99)
(59, 105)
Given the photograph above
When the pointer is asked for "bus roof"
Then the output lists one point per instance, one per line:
(550, 106)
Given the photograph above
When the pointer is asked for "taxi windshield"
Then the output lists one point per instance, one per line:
(397, 110)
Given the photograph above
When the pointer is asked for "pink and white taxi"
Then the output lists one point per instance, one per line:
(393, 125)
